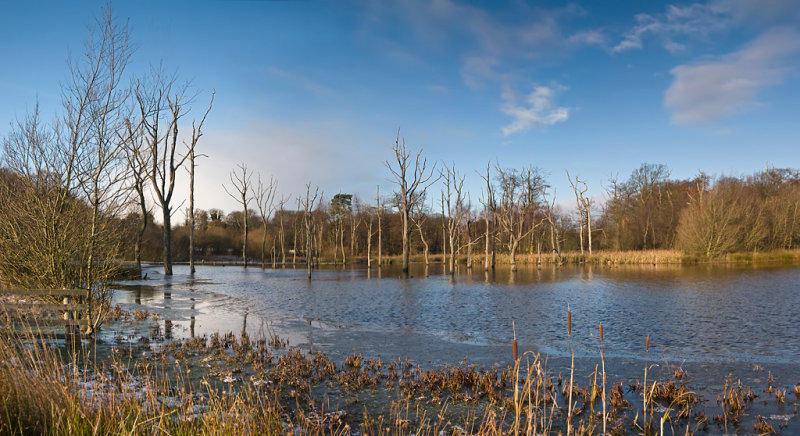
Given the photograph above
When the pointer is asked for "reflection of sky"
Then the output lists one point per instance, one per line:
(695, 313)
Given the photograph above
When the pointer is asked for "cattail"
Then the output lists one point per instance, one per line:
(514, 348)
(601, 332)
(569, 323)
(647, 344)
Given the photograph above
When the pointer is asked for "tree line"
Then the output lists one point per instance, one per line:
(516, 213)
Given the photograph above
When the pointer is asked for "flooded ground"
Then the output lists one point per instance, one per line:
(714, 321)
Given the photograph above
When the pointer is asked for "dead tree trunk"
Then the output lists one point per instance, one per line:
(264, 197)
(308, 207)
(379, 212)
(489, 207)
(197, 132)
(412, 182)
(241, 184)
(453, 199)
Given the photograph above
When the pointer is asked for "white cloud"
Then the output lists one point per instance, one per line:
(709, 90)
(676, 22)
(698, 20)
(537, 110)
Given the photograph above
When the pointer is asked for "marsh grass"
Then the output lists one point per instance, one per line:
(224, 384)
(623, 257)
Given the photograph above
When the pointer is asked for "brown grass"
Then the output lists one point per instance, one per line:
(615, 257)
(224, 384)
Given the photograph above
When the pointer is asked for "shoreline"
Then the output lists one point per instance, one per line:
(598, 257)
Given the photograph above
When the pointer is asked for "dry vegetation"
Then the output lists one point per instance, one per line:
(224, 384)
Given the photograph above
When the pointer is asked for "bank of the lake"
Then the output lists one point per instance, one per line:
(360, 351)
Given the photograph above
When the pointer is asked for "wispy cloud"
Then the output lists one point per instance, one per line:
(536, 110)
(680, 23)
(488, 43)
(676, 22)
(709, 90)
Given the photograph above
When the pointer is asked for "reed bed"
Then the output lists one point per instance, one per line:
(229, 384)
(616, 257)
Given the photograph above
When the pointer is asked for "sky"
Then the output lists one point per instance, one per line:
(315, 92)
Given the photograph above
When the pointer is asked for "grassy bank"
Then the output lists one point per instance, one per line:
(612, 257)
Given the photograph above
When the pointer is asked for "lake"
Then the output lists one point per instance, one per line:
(707, 313)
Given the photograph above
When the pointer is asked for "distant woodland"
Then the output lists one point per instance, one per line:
(646, 211)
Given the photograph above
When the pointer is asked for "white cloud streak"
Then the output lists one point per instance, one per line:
(699, 20)
(710, 90)
(537, 110)
(676, 22)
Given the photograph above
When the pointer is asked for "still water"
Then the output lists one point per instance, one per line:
(698, 314)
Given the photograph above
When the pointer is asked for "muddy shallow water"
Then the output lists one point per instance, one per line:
(712, 320)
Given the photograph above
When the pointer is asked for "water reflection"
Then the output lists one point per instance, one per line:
(705, 313)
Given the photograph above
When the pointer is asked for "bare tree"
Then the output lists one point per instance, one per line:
(453, 200)
(647, 181)
(294, 233)
(555, 241)
(162, 105)
(514, 201)
(468, 217)
(97, 83)
(138, 166)
(489, 209)
(308, 219)
(341, 208)
(62, 187)
(240, 184)
(281, 231)
(356, 217)
(379, 212)
(264, 197)
(412, 182)
(197, 132)
(419, 217)
(584, 208)
(370, 234)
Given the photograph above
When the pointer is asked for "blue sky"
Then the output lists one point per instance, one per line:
(315, 91)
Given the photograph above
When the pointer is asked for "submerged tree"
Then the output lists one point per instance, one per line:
(489, 216)
(264, 198)
(453, 207)
(412, 180)
(308, 219)
(341, 209)
(162, 104)
(197, 132)
(518, 193)
(240, 183)
(584, 205)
